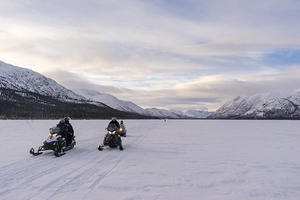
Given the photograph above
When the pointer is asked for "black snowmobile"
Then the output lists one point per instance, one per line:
(122, 130)
(54, 142)
(112, 138)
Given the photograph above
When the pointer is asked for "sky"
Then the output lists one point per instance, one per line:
(174, 54)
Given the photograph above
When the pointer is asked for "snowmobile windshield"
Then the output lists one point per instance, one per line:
(54, 130)
(112, 127)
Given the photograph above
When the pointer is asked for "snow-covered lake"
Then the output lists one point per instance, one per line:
(177, 159)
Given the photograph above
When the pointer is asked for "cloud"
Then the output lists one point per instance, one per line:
(92, 31)
(162, 53)
(210, 91)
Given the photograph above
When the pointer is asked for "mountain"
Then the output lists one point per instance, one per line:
(28, 94)
(198, 113)
(263, 106)
(111, 101)
(162, 113)
(129, 106)
(22, 79)
(43, 97)
(175, 114)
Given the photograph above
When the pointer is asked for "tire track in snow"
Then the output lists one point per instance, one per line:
(90, 173)
(9, 175)
(100, 178)
(61, 183)
(85, 172)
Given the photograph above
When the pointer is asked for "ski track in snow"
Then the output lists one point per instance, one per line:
(177, 159)
(24, 174)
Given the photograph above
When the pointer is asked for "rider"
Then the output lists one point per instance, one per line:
(66, 128)
(122, 125)
(114, 121)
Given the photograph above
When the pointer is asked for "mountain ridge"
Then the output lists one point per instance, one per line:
(129, 106)
(260, 106)
(26, 82)
(26, 94)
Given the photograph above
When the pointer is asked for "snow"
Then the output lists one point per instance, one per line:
(26, 80)
(261, 106)
(176, 159)
(111, 101)
(203, 113)
(22, 79)
(162, 113)
(295, 98)
(128, 106)
(241, 105)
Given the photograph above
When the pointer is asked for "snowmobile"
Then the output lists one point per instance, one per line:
(54, 142)
(112, 138)
(122, 130)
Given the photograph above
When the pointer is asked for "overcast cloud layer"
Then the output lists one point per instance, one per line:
(170, 54)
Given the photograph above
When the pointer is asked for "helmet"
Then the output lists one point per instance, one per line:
(121, 121)
(67, 119)
(54, 130)
(62, 121)
(114, 118)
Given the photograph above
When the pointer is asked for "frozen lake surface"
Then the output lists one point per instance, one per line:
(177, 159)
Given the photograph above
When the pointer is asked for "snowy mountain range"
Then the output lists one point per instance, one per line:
(110, 100)
(19, 84)
(263, 106)
(28, 94)
(127, 106)
(22, 79)
(201, 113)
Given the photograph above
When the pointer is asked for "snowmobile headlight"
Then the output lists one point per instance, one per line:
(121, 129)
(53, 135)
(111, 132)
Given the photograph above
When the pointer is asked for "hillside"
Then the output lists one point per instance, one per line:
(263, 106)
(25, 94)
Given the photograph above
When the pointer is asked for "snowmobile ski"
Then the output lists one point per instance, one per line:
(58, 154)
(35, 153)
(102, 147)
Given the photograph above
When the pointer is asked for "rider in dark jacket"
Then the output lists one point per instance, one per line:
(66, 128)
(114, 121)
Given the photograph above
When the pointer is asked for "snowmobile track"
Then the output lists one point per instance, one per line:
(161, 160)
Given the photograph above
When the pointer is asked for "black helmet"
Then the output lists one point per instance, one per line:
(67, 119)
